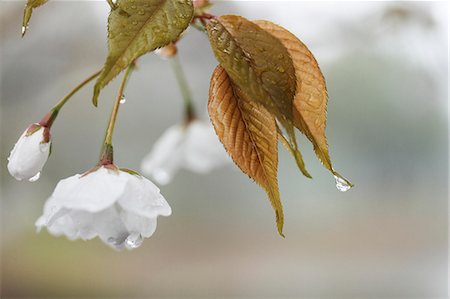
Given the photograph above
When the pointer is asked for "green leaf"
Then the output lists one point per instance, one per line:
(137, 27)
(31, 4)
(248, 132)
(260, 65)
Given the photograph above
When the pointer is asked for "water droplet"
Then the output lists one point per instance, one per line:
(141, 12)
(280, 69)
(35, 178)
(341, 184)
(134, 22)
(134, 240)
(123, 100)
(24, 29)
(215, 27)
(112, 240)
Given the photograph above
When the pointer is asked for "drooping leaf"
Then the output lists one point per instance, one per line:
(310, 101)
(296, 154)
(137, 27)
(248, 132)
(27, 12)
(257, 62)
(260, 66)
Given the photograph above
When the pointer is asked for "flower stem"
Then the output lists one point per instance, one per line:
(184, 88)
(106, 156)
(50, 117)
(75, 90)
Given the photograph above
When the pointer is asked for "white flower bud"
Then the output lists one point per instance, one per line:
(117, 206)
(30, 153)
(194, 147)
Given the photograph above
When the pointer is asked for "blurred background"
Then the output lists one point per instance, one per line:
(386, 65)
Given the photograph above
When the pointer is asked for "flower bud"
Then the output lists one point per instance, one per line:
(194, 147)
(168, 51)
(30, 153)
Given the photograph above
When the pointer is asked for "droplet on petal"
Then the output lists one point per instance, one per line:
(117, 241)
(35, 178)
(112, 241)
(341, 184)
(134, 240)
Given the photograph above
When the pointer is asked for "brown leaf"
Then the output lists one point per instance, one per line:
(249, 134)
(257, 62)
(295, 153)
(260, 65)
(310, 101)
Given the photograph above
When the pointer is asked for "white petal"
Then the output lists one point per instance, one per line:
(166, 156)
(29, 155)
(138, 224)
(56, 220)
(62, 221)
(204, 151)
(110, 227)
(93, 192)
(63, 226)
(51, 208)
(143, 198)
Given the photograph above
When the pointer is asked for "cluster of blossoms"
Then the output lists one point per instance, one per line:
(267, 84)
(117, 205)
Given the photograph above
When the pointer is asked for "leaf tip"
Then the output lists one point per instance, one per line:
(280, 222)
(95, 96)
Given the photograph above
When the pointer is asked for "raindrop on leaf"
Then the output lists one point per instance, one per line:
(341, 184)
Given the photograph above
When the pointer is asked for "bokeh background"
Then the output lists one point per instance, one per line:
(386, 64)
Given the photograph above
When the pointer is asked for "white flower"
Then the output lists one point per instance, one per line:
(30, 153)
(115, 205)
(194, 147)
